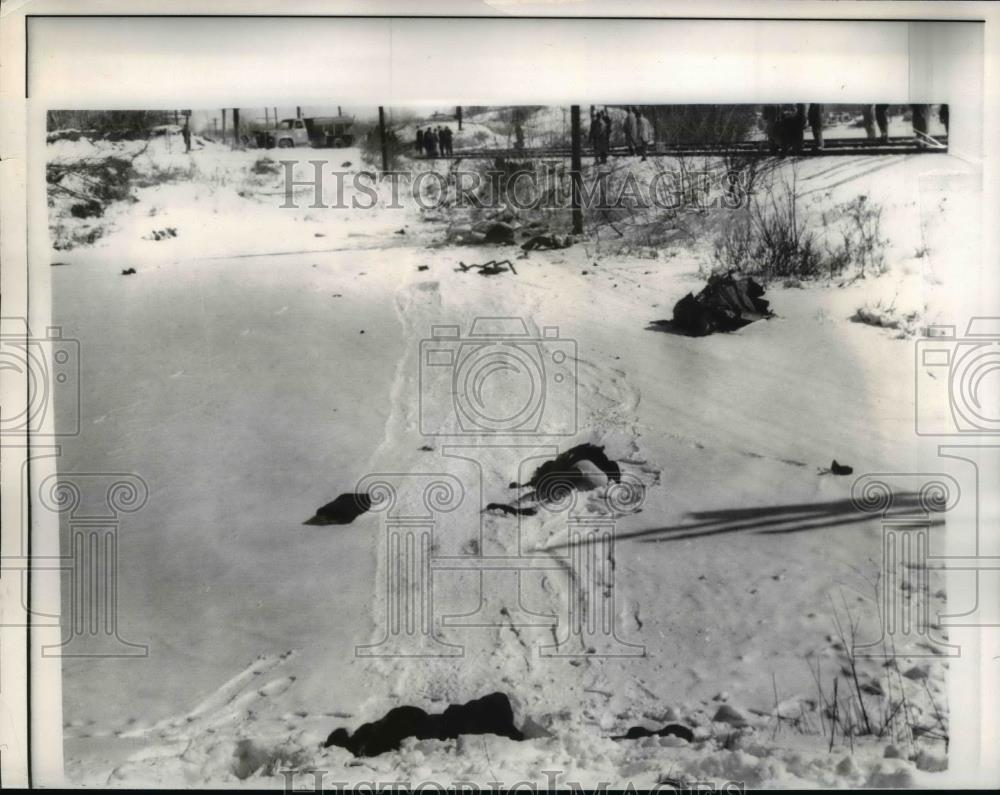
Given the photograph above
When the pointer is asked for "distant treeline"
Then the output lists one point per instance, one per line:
(125, 123)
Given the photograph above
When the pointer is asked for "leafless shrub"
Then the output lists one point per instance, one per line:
(774, 238)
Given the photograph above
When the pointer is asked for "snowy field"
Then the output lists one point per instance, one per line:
(260, 361)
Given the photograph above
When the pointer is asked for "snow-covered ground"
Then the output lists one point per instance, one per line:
(262, 361)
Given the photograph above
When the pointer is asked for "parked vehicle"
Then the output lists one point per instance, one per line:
(332, 131)
(317, 131)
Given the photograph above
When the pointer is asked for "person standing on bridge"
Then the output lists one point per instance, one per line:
(868, 120)
(420, 141)
(882, 119)
(816, 123)
(628, 128)
(594, 134)
(920, 114)
(431, 142)
(446, 149)
(604, 141)
(644, 132)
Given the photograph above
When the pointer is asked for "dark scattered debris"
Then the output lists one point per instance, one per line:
(490, 268)
(565, 464)
(499, 233)
(343, 510)
(726, 303)
(840, 469)
(511, 510)
(423, 267)
(346, 164)
(670, 730)
(490, 714)
(163, 234)
(426, 448)
(318, 234)
(543, 242)
(88, 209)
(128, 271)
(552, 480)
(400, 232)
(265, 165)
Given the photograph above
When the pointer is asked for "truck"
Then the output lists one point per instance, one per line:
(315, 131)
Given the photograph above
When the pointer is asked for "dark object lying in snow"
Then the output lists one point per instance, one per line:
(499, 233)
(128, 271)
(542, 242)
(343, 510)
(670, 730)
(554, 479)
(510, 510)
(490, 714)
(840, 469)
(726, 303)
(163, 234)
(564, 466)
(88, 209)
(423, 267)
(490, 268)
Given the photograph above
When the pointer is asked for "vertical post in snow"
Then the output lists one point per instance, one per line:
(576, 169)
(223, 125)
(298, 111)
(381, 135)
(236, 128)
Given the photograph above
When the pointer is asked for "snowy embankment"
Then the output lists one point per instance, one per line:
(231, 373)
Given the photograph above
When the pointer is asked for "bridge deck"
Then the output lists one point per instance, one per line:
(832, 147)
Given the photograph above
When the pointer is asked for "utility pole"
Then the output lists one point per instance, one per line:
(236, 128)
(223, 125)
(576, 169)
(381, 134)
(298, 111)
(458, 117)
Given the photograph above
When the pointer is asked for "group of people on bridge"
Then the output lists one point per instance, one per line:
(784, 130)
(636, 129)
(434, 142)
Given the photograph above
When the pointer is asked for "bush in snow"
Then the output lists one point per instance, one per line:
(775, 238)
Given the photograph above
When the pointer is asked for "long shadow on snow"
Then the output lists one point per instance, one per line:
(771, 520)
